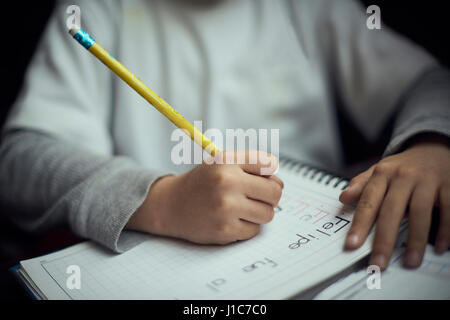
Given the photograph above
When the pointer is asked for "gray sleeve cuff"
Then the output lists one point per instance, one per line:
(101, 206)
(426, 109)
(108, 200)
(49, 182)
(428, 126)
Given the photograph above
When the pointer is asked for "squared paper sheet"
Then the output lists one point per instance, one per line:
(430, 281)
(299, 248)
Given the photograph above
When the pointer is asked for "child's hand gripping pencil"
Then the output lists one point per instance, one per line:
(214, 203)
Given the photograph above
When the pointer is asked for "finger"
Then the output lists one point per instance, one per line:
(253, 161)
(256, 211)
(353, 192)
(247, 230)
(277, 180)
(391, 213)
(443, 236)
(262, 189)
(420, 211)
(366, 211)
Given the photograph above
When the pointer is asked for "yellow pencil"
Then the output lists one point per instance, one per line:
(148, 94)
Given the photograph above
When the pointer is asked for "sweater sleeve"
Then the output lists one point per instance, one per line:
(47, 182)
(424, 109)
(57, 162)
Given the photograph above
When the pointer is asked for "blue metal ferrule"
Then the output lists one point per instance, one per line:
(84, 38)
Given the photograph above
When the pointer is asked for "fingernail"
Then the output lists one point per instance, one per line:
(352, 241)
(441, 245)
(379, 260)
(412, 259)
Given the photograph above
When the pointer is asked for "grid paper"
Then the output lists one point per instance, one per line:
(306, 234)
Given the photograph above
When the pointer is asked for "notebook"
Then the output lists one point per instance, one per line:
(430, 281)
(301, 247)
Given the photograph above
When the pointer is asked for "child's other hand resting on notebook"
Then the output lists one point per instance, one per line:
(213, 203)
(418, 177)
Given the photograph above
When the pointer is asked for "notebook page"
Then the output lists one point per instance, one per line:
(301, 246)
(430, 281)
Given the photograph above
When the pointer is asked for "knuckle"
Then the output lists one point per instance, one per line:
(268, 215)
(223, 178)
(370, 190)
(383, 168)
(365, 204)
(406, 172)
(430, 173)
(223, 202)
(386, 215)
(277, 192)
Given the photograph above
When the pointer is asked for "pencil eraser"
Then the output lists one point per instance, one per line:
(73, 31)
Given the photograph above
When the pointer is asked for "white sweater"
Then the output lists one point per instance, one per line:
(232, 64)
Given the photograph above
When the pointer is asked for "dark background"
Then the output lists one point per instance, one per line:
(424, 23)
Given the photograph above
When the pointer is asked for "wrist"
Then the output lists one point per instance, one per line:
(151, 215)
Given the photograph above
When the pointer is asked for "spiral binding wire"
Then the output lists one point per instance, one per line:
(318, 175)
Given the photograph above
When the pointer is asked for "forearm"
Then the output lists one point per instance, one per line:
(49, 182)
